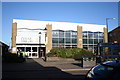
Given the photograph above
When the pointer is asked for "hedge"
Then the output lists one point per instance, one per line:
(76, 53)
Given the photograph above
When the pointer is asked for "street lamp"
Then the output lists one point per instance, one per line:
(107, 24)
(43, 54)
(107, 21)
(45, 44)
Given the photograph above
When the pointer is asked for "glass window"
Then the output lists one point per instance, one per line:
(74, 46)
(61, 40)
(61, 34)
(95, 41)
(74, 34)
(74, 40)
(85, 47)
(34, 49)
(84, 41)
(54, 40)
(55, 34)
(28, 49)
(67, 34)
(90, 36)
(21, 48)
(100, 35)
(60, 45)
(84, 35)
(96, 35)
(100, 40)
(54, 44)
(68, 46)
(90, 41)
(68, 40)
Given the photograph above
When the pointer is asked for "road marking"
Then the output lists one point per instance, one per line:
(74, 69)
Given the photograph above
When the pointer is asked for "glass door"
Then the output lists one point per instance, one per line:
(34, 52)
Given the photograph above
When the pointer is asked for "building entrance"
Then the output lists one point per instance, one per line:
(42, 51)
(28, 52)
(31, 51)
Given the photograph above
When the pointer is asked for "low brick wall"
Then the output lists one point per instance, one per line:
(59, 59)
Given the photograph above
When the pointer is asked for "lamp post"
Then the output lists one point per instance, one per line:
(107, 25)
(39, 42)
(45, 44)
(45, 57)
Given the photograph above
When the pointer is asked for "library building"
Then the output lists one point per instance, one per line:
(35, 38)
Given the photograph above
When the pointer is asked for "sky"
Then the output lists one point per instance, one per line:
(74, 12)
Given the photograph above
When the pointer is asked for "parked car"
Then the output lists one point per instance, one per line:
(109, 70)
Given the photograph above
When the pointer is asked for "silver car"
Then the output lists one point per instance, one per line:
(109, 70)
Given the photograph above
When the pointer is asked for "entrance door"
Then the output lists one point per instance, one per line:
(32, 52)
(29, 52)
(42, 51)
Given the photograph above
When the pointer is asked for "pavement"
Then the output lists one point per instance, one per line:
(37, 69)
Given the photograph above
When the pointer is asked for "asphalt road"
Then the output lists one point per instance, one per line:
(37, 69)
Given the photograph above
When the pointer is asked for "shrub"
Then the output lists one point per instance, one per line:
(76, 53)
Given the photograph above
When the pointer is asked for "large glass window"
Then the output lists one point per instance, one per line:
(22, 49)
(55, 34)
(55, 45)
(84, 41)
(67, 34)
(84, 35)
(67, 40)
(95, 41)
(74, 40)
(28, 49)
(34, 49)
(61, 34)
(96, 35)
(90, 36)
(74, 34)
(100, 35)
(100, 40)
(64, 37)
(90, 41)
(61, 40)
(54, 40)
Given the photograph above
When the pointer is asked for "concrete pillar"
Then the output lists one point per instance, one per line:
(105, 40)
(49, 38)
(14, 34)
(105, 35)
(79, 37)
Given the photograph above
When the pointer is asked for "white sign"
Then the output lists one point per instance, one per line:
(25, 39)
(30, 37)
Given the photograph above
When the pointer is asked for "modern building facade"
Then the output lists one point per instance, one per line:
(33, 38)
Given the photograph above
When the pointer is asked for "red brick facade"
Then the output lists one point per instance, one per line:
(114, 35)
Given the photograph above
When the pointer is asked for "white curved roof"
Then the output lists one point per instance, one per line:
(34, 24)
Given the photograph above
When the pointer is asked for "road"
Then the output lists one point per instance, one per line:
(37, 69)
